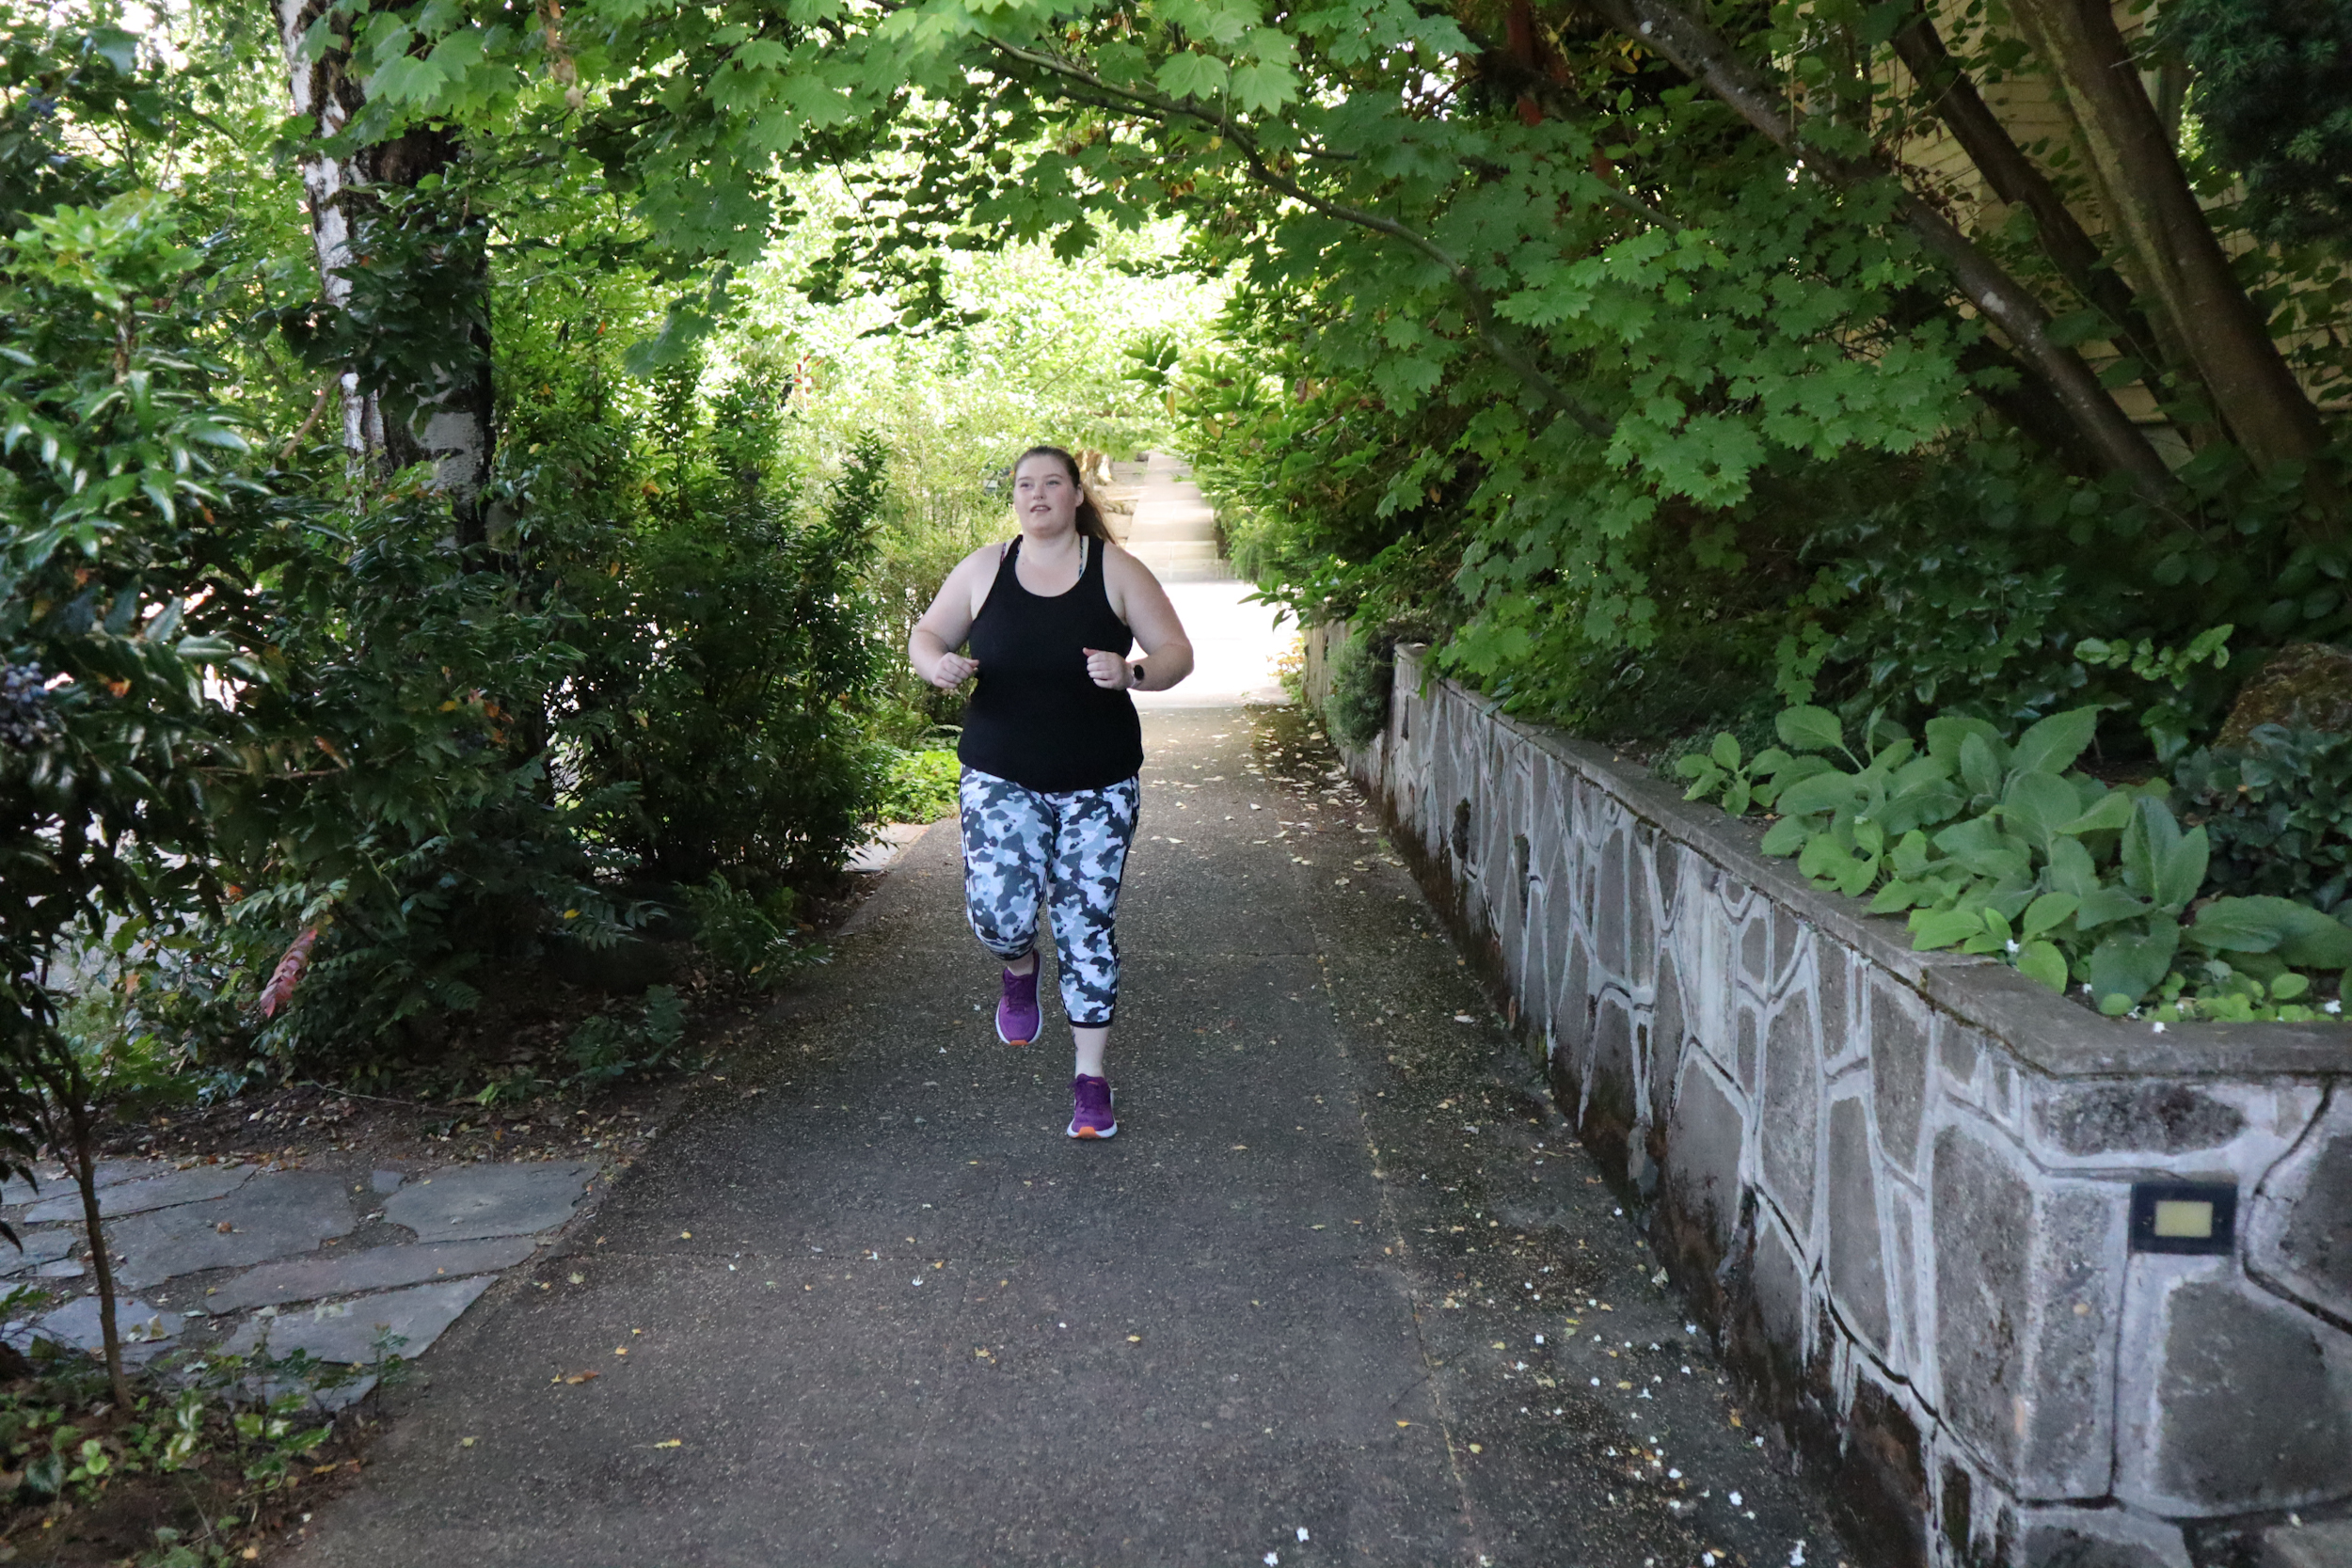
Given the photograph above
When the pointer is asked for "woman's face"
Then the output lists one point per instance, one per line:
(1044, 497)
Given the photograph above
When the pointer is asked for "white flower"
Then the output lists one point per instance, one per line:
(2158, 1027)
(2013, 946)
(2331, 1007)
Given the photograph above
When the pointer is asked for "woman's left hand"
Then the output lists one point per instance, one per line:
(1107, 671)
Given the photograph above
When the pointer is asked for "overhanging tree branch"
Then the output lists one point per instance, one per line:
(1706, 58)
(2015, 179)
(1480, 306)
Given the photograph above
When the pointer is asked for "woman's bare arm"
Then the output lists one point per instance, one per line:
(1137, 599)
(944, 626)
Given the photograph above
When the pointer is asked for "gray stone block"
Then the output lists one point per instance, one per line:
(1642, 908)
(2150, 1118)
(40, 1246)
(2319, 1544)
(284, 1213)
(460, 1203)
(1755, 951)
(349, 1331)
(1701, 1183)
(193, 1185)
(1790, 937)
(2249, 1407)
(1899, 1070)
(385, 1181)
(1572, 1016)
(1609, 911)
(2300, 1227)
(55, 1181)
(1780, 1290)
(1669, 860)
(2028, 1283)
(145, 1331)
(1857, 1269)
(1791, 1112)
(2097, 1538)
(1668, 1025)
(1747, 1035)
(1839, 1038)
(344, 1274)
(1958, 1052)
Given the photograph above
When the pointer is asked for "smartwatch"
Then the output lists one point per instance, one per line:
(1134, 677)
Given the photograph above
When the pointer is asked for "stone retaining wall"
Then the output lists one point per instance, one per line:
(1899, 1187)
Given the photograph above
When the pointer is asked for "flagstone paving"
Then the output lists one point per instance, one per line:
(1344, 1289)
(203, 1246)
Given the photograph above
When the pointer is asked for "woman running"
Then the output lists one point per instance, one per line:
(1052, 748)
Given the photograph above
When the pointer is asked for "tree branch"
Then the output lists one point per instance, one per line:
(1706, 58)
(2014, 179)
(1490, 335)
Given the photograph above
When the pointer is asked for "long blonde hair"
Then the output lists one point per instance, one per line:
(1090, 523)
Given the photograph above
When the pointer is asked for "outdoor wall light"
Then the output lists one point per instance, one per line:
(2184, 1216)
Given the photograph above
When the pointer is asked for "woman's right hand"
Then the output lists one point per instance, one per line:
(953, 670)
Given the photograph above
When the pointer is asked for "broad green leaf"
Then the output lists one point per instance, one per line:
(1787, 837)
(2037, 806)
(2114, 811)
(1979, 765)
(2103, 906)
(1190, 75)
(1895, 897)
(2043, 964)
(1736, 797)
(1984, 848)
(2046, 913)
(2317, 941)
(2130, 965)
(2072, 869)
(1825, 791)
(2052, 745)
(1694, 765)
(1810, 729)
(1946, 734)
(1931, 929)
(2160, 861)
(2242, 925)
(1725, 750)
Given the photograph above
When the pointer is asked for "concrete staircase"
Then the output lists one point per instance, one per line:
(1174, 531)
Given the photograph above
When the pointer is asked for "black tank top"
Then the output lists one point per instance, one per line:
(1035, 716)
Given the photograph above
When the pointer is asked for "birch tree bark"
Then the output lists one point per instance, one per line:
(442, 411)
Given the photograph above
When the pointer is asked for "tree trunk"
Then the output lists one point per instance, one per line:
(2155, 214)
(1707, 58)
(446, 418)
(2014, 178)
(74, 1091)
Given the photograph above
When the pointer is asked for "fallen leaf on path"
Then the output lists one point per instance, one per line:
(581, 1377)
(1135, 1338)
(671, 1443)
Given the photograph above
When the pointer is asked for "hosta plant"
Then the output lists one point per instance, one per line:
(2007, 849)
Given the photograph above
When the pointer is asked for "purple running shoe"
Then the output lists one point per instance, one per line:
(1090, 1109)
(1017, 1021)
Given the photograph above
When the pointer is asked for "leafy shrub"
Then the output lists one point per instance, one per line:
(2005, 850)
(732, 690)
(750, 938)
(2279, 814)
(606, 1047)
(920, 786)
(1356, 709)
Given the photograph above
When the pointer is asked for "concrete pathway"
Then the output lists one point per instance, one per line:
(1343, 1290)
(1174, 531)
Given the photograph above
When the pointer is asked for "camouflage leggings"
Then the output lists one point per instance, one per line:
(1023, 848)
